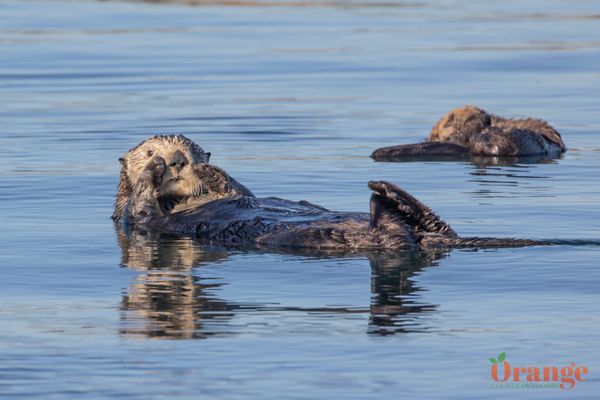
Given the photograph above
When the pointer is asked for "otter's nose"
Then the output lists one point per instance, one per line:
(178, 161)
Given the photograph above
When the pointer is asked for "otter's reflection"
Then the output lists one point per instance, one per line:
(169, 300)
(479, 161)
(394, 304)
(502, 176)
(508, 180)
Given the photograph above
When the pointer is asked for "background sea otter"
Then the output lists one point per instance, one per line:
(471, 131)
(212, 206)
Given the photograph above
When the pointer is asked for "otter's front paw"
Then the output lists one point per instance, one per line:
(215, 179)
(153, 173)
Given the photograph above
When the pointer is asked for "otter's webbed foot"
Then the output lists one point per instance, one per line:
(435, 151)
(408, 208)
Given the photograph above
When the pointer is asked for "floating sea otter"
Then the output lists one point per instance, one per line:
(167, 186)
(470, 132)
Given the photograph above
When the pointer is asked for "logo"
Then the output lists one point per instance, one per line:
(507, 376)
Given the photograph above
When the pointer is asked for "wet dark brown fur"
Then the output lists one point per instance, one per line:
(232, 216)
(471, 131)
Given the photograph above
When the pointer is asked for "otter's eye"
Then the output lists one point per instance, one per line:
(149, 153)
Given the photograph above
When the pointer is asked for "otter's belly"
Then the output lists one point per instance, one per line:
(337, 231)
(530, 143)
(546, 148)
(269, 221)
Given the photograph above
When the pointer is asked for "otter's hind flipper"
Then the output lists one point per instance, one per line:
(437, 151)
(411, 210)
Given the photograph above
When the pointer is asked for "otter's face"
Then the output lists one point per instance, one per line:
(459, 124)
(179, 153)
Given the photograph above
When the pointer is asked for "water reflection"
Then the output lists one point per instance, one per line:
(476, 161)
(394, 295)
(166, 300)
(171, 299)
(495, 176)
(496, 180)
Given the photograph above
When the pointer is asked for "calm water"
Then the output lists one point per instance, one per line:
(291, 101)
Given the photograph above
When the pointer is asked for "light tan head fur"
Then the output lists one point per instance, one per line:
(459, 124)
(179, 153)
(464, 124)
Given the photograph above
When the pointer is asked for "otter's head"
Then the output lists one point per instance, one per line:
(460, 124)
(179, 180)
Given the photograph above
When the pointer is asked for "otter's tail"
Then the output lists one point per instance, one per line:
(490, 242)
(439, 151)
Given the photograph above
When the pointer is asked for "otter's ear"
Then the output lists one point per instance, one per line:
(207, 156)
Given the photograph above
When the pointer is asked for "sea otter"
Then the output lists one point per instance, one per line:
(179, 185)
(472, 132)
(202, 200)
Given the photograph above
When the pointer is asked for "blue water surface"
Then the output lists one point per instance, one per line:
(291, 98)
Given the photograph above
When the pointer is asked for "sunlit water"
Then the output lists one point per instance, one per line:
(291, 101)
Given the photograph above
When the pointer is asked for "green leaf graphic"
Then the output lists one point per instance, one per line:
(493, 360)
(501, 357)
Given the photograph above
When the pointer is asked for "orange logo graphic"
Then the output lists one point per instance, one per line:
(507, 376)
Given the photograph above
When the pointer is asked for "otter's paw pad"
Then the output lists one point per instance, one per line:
(151, 177)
